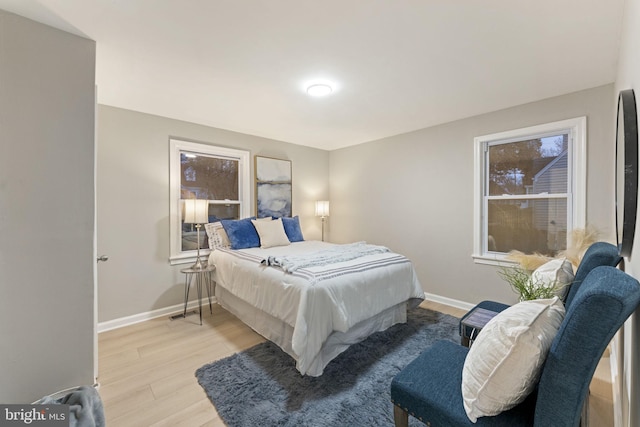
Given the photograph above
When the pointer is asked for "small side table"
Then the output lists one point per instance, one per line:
(475, 321)
(201, 275)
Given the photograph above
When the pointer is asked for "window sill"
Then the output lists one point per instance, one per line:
(496, 259)
(189, 257)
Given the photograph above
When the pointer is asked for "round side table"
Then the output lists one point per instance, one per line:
(202, 275)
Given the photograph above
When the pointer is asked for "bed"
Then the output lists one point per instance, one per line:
(314, 312)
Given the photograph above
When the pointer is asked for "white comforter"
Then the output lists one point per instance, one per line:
(318, 300)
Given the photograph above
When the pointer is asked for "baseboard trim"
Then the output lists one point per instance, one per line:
(449, 301)
(142, 317)
(615, 359)
(167, 311)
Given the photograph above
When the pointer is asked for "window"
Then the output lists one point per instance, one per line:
(200, 171)
(530, 189)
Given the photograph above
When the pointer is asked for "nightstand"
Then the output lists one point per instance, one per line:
(473, 323)
(202, 275)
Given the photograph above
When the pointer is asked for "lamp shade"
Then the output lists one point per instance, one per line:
(322, 208)
(196, 211)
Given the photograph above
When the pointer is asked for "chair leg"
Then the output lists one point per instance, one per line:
(584, 415)
(400, 417)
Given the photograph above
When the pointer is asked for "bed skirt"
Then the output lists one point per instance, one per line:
(280, 333)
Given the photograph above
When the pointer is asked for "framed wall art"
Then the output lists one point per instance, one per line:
(273, 187)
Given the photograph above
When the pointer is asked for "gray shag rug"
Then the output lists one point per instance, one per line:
(261, 386)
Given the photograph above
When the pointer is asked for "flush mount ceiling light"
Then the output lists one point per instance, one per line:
(319, 89)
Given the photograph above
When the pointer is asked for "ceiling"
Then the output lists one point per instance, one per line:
(397, 65)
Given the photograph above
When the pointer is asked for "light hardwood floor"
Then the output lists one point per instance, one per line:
(147, 370)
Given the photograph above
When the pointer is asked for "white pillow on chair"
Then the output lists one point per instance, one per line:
(504, 363)
(555, 273)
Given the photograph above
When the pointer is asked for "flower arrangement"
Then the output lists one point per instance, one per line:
(522, 283)
(523, 279)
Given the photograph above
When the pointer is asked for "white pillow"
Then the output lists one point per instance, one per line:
(557, 272)
(217, 236)
(504, 363)
(271, 233)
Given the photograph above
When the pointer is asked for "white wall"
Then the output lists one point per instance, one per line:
(133, 203)
(414, 192)
(627, 350)
(47, 108)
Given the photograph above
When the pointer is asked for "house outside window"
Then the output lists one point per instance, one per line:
(530, 189)
(200, 171)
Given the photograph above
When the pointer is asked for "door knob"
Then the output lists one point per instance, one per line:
(102, 258)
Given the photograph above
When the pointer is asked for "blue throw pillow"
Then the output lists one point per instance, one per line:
(292, 229)
(242, 234)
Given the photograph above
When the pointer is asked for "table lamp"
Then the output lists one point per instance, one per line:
(322, 210)
(196, 212)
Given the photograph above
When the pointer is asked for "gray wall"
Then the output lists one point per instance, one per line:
(47, 107)
(133, 203)
(627, 350)
(414, 192)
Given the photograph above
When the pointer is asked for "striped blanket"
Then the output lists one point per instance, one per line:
(338, 253)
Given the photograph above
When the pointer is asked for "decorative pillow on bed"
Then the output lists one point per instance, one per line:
(292, 228)
(505, 361)
(241, 232)
(217, 236)
(271, 233)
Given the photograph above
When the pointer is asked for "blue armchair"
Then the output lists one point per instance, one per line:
(598, 254)
(429, 388)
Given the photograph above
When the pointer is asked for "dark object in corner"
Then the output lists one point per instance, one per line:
(626, 171)
(85, 406)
